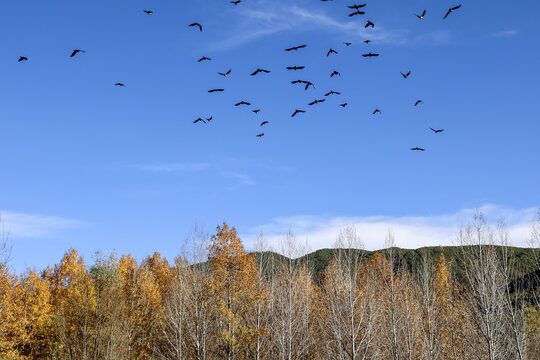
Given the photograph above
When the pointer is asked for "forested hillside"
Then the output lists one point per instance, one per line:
(218, 301)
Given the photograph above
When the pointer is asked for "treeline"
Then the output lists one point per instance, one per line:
(217, 301)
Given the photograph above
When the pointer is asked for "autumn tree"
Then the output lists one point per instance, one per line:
(234, 292)
(74, 304)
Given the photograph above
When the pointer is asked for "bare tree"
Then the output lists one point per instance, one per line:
(291, 300)
(188, 314)
(5, 244)
(486, 280)
(347, 301)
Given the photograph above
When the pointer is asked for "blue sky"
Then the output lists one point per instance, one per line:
(89, 165)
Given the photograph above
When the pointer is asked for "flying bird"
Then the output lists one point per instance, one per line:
(236, 2)
(119, 84)
(376, 111)
(331, 92)
(295, 67)
(335, 73)
(297, 112)
(209, 119)
(421, 16)
(256, 111)
(451, 10)
(296, 47)
(215, 90)
(369, 23)
(367, 41)
(316, 102)
(308, 84)
(75, 52)
(331, 51)
(199, 119)
(343, 105)
(356, 7)
(226, 73)
(203, 59)
(418, 102)
(357, 12)
(437, 131)
(418, 149)
(260, 135)
(197, 24)
(406, 75)
(149, 12)
(242, 103)
(22, 58)
(347, 43)
(259, 71)
(370, 55)
(264, 123)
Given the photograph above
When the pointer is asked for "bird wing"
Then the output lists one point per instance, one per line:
(456, 7)
(448, 13)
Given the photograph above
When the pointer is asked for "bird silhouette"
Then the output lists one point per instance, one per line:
(369, 23)
(216, 90)
(421, 16)
(370, 55)
(367, 41)
(242, 103)
(119, 84)
(356, 7)
(335, 73)
(259, 71)
(226, 73)
(75, 52)
(196, 24)
(376, 111)
(149, 12)
(347, 43)
(209, 119)
(451, 10)
(236, 2)
(260, 135)
(297, 112)
(295, 67)
(343, 105)
(418, 149)
(296, 47)
(316, 102)
(199, 119)
(357, 12)
(256, 111)
(264, 123)
(437, 131)
(418, 102)
(331, 92)
(203, 59)
(406, 75)
(331, 51)
(22, 58)
(308, 84)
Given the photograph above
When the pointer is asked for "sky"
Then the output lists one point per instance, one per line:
(89, 165)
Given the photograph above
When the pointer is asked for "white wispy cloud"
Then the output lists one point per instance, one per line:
(172, 167)
(505, 33)
(409, 231)
(19, 225)
(268, 18)
(243, 179)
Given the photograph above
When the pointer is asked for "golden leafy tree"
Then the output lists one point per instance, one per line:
(74, 305)
(234, 290)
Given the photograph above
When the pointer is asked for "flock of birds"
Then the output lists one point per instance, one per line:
(357, 9)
